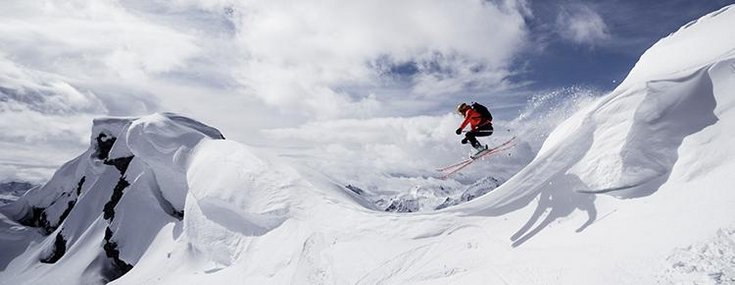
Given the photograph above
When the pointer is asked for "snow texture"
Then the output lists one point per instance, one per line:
(708, 262)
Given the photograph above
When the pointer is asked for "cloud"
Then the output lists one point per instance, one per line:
(322, 55)
(63, 63)
(41, 92)
(378, 152)
(44, 121)
(92, 38)
(581, 24)
(242, 65)
(396, 154)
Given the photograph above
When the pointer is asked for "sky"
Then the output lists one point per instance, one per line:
(596, 43)
(247, 66)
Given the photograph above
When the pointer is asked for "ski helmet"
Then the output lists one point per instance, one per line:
(462, 108)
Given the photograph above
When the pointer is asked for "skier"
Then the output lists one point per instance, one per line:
(481, 124)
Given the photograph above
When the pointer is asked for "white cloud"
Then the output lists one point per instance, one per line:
(316, 55)
(86, 39)
(63, 63)
(298, 52)
(397, 155)
(241, 65)
(581, 24)
(42, 93)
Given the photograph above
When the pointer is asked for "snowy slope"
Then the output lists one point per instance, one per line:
(100, 211)
(636, 188)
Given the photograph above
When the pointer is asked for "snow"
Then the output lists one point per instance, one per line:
(634, 188)
(700, 42)
(106, 205)
(164, 143)
(705, 262)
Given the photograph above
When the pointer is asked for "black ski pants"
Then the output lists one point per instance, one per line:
(481, 131)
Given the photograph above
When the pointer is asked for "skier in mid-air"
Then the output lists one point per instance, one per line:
(480, 121)
(481, 125)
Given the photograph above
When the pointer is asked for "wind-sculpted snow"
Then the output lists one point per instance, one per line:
(165, 143)
(665, 112)
(701, 42)
(101, 210)
(235, 195)
(629, 144)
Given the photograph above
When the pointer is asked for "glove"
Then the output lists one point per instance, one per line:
(458, 131)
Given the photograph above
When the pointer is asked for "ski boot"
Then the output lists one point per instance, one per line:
(480, 148)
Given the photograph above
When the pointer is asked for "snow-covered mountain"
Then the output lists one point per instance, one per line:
(636, 188)
(106, 206)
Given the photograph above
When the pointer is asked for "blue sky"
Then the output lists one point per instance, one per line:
(633, 26)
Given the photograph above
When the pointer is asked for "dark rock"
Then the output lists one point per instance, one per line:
(403, 206)
(179, 215)
(117, 193)
(118, 267)
(80, 184)
(36, 218)
(104, 145)
(58, 250)
(121, 163)
(448, 202)
(355, 189)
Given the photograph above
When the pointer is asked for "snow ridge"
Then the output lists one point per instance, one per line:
(110, 189)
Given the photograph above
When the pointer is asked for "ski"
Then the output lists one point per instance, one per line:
(450, 171)
(473, 157)
(501, 147)
(453, 165)
(456, 167)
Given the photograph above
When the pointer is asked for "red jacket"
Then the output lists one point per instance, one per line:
(473, 118)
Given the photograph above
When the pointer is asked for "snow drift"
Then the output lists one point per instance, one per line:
(626, 191)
